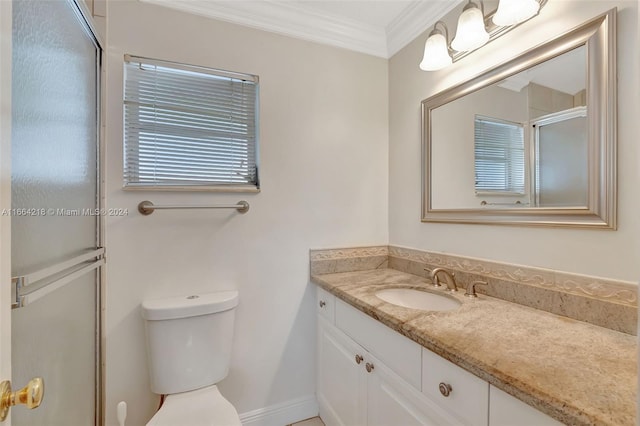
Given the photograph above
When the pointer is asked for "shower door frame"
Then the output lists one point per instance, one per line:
(6, 17)
(6, 299)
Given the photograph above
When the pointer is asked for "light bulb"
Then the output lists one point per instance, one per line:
(471, 32)
(511, 12)
(436, 54)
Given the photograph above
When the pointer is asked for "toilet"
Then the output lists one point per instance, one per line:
(189, 342)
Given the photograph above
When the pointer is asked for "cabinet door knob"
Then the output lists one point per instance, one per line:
(322, 303)
(359, 359)
(445, 389)
(369, 367)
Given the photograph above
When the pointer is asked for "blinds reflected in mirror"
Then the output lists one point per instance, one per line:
(499, 156)
(188, 126)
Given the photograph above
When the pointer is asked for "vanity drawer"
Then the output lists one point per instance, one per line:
(325, 304)
(399, 353)
(505, 410)
(468, 395)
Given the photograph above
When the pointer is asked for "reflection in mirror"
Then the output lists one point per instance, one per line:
(532, 141)
(519, 142)
(560, 158)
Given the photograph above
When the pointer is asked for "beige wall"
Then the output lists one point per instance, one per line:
(324, 172)
(544, 100)
(603, 253)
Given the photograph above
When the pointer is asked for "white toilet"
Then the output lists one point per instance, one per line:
(189, 349)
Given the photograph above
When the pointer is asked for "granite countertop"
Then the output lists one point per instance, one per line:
(577, 373)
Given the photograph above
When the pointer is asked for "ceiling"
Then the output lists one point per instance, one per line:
(375, 27)
(564, 73)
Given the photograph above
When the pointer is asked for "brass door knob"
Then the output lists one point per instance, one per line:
(369, 367)
(31, 396)
(359, 359)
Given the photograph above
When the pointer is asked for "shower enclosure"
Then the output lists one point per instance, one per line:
(55, 215)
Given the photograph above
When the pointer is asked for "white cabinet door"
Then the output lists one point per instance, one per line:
(341, 380)
(505, 410)
(391, 401)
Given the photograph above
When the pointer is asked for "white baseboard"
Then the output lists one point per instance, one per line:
(282, 414)
(326, 413)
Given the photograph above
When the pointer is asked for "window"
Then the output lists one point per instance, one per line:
(188, 126)
(499, 156)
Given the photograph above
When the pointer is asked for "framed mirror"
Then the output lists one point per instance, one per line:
(530, 142)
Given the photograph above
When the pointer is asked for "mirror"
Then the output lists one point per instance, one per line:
(530, 142)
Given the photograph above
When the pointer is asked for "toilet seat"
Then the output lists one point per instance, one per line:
(202, 407)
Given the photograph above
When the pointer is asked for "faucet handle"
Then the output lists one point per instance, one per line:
(471, 288)
(434, 278)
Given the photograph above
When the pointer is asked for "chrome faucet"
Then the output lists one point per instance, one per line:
(449, 278)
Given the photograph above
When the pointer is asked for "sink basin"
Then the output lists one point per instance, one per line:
(418, 299)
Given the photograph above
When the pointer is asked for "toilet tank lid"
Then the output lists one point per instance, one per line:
(189, 306)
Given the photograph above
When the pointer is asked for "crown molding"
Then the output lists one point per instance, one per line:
(419, 16)
(294, 20)
(289, 19)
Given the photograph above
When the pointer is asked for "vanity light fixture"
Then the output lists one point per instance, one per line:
(475, 30)
(512, 12)
(471, 33)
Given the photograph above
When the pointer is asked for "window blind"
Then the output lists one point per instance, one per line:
(188, 126)
(499, 156)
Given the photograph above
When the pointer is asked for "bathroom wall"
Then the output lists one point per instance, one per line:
(324, 175)
(611, 254)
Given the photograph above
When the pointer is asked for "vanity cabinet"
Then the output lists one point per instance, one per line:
(355, 388)
(368, 374)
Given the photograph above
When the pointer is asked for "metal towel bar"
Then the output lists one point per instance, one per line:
(516, 203)
(147, 207)
(30, 287)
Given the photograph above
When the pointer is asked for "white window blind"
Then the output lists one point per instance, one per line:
(188, 126)
(499, 156)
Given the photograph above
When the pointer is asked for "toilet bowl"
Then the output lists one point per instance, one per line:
(189, 341)
(202, 407)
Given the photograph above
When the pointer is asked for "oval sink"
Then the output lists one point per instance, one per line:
(418, 299)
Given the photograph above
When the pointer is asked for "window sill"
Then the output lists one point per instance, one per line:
(499, 194)
(192, 188)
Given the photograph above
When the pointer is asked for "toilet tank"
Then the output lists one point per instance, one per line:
(189, 340)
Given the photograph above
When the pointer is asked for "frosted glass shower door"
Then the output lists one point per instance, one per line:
(55, 197)
(561, 160)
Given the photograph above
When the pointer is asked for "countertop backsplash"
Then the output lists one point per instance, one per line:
(599, 301)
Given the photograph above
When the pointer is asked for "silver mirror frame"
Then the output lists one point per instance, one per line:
(599, 37)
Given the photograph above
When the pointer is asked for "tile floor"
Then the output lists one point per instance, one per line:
(314, 421)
